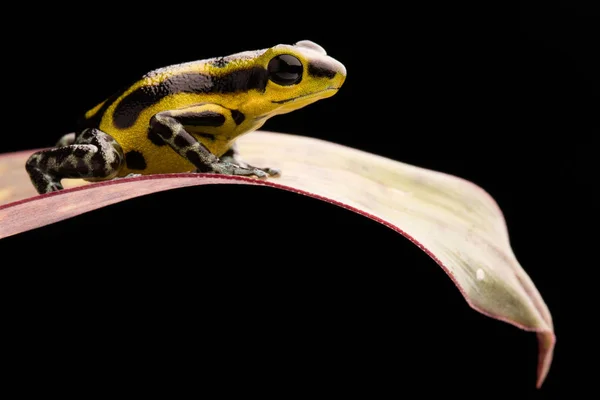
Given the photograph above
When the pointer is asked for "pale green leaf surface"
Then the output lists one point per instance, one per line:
(454, 221)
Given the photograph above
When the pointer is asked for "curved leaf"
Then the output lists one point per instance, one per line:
(452, 220)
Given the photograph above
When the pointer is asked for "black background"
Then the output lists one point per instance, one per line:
(196, 287)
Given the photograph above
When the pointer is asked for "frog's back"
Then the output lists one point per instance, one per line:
(206, 77)
(100, 116)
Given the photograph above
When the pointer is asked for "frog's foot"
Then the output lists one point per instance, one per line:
(272, 172)
(232, 156)
(227, 168)
(94, 155)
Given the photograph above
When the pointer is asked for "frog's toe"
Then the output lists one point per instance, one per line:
(269, 171)
(227, 168)
(54, 187)
(261, 174)
(272, 171)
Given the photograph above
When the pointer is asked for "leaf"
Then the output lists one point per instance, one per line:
(452, 220)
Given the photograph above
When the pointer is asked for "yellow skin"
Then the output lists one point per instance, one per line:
(257, 106)
(186, 117)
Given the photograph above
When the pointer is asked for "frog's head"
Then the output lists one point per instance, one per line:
(298, 75)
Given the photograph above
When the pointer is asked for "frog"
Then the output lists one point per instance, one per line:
(187, 117)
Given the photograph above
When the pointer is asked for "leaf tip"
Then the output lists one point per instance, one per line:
(546, 343)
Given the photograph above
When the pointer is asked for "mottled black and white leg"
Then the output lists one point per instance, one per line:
(233, 156)
(169, 126)
(93, 155)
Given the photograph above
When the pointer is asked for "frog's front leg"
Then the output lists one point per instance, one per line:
(93, 155)
(170, 126)
(233, 156)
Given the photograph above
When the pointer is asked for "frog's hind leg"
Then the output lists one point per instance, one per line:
(92, 155)
(233, 156)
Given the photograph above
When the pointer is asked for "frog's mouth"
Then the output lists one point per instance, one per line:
(304, 96)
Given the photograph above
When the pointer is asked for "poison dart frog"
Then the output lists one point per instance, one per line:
(186, 117)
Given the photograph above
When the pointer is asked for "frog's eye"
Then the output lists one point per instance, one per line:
(285, 70)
